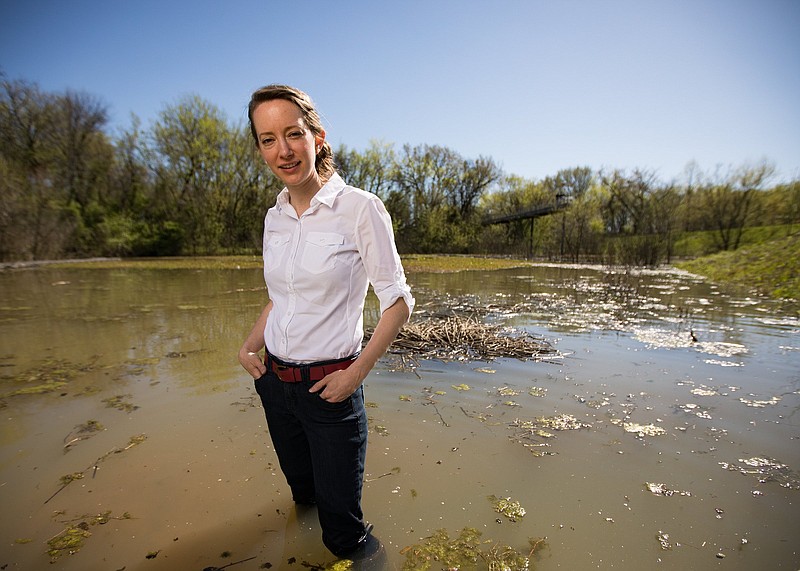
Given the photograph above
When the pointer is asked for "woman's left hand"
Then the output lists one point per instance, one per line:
(338, 385)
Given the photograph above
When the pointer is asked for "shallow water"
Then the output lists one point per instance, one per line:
(678, 386)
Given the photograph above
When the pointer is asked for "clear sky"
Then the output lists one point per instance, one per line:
(537, 85)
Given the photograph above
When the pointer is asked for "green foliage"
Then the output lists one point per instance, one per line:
(192, 184)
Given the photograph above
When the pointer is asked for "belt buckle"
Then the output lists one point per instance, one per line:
(282, 369)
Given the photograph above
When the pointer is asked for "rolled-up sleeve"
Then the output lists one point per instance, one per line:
(375, 239)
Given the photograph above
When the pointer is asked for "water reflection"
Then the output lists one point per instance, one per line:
(669, 383)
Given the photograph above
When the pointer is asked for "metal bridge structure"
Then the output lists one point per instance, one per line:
(562, 201)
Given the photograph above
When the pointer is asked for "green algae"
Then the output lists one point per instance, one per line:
(439, 551)
(508, 507)
(50, 376)
(72, 538)
(120, 402)
(468, 552)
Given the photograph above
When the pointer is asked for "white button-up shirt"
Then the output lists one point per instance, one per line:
(318, 267)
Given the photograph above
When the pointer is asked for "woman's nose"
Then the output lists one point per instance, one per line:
(284, 148)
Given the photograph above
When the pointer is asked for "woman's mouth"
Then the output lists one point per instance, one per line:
(289, 166)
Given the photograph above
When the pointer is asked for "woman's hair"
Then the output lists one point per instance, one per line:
(324, 164)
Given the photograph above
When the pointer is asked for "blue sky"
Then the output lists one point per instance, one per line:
(538, 85)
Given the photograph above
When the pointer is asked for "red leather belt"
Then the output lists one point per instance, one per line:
(298, 372)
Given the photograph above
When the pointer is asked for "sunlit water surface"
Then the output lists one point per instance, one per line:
(683, 398)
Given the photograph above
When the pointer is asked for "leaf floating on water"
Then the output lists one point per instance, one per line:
(766, 470)
(663, 539)
(461, 387)
(695, 409)
(704, 391)
(485, 370)
(760, 403)
(561, 422)
(507, 392)
(537, 392)
(643, 430)
(663, 490)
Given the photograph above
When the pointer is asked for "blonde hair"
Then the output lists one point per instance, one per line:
(324, 164)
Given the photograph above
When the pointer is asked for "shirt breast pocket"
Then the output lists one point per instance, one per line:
(319, 254)
(276, 247)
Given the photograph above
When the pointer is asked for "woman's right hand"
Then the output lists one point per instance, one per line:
(252, 363)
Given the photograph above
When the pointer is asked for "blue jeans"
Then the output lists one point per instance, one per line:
(322, 449)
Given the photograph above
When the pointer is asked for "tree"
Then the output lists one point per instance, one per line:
(727, 202)
(569, 185)
(26, 217)
(372, 170)
(191, 140)
(476, 177)
(644, 212)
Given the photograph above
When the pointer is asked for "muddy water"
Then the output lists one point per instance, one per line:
(684, 397)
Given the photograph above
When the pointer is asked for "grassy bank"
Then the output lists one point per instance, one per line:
(411, 262)
(693, 245)
(771, 267)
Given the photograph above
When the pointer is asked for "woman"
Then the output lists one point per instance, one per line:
(324, 242)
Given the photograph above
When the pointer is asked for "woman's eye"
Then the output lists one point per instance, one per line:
(295, 134)
(267, 141)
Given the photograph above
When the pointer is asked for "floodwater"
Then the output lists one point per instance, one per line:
(663, 435)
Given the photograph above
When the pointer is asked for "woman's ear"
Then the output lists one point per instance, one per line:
(319, 139)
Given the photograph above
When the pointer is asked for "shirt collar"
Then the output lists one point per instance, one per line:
(325, 195)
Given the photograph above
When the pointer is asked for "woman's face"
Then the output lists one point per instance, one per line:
(287, 145)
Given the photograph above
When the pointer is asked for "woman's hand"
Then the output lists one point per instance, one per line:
(339, 385)
(252, 363)
(249, 353)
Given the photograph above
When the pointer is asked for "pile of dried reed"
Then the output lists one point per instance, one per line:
(459, 338)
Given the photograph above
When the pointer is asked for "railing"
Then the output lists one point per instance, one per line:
(538, 212)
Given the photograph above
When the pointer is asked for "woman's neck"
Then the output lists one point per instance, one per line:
(300, 196)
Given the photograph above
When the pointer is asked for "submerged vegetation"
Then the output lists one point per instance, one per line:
(70, 540)
(468, 552)
(49, 376)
